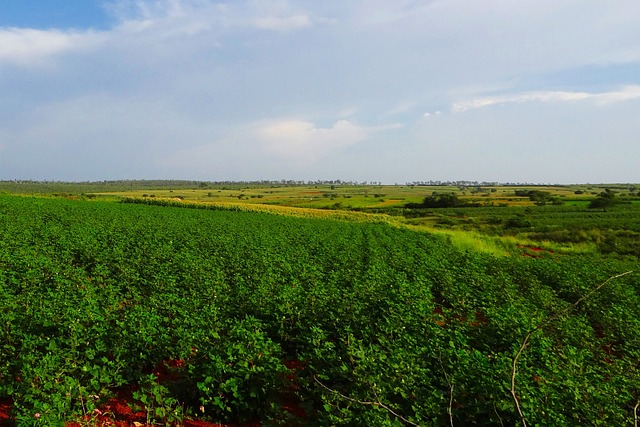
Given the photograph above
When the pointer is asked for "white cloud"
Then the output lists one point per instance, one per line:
(431, 114)
(152, 22)
(268, 149)
(25, 47)
(283, 23)
(185, 88)
(166, 19)
(192, 16)
(147, 10)
(401, 107)
(302, 140)
(625, 94)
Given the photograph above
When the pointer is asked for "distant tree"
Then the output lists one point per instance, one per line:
(518, 221)
(604, 200)
(441, 200)
(539, 197)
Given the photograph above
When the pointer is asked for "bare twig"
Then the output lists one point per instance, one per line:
(446, 377)
(499, 417)
(635, 414)
(449, 409)
(541, 325)
(363, 402)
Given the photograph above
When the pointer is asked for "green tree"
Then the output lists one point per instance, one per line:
(441, 200)
(604, 200)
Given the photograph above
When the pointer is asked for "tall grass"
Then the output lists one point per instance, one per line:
(464, 240)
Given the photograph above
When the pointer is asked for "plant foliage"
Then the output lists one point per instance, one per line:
(365, 324)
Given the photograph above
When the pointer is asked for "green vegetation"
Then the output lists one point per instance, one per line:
(604, 200)
(483, 216)
(538, 197)
(438, 200)
(568, 228)
(358, 322)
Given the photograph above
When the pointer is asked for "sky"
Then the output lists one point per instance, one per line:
(536, 91)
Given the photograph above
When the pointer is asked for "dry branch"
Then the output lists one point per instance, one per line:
(363, 402)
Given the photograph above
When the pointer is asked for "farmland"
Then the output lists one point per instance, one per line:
(320, 305)
(491, 218)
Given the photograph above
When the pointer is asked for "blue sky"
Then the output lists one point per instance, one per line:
(46, 14)
(544, 91)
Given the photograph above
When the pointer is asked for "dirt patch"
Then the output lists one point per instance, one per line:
(534, 251)
(118, 412)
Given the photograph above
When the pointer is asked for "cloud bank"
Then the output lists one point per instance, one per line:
(543, 91)
(625, 94)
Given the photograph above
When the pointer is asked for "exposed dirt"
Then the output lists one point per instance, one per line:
(5, 408)
(117, 411)
(534, 251)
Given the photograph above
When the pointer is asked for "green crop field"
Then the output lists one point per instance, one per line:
(372, 312)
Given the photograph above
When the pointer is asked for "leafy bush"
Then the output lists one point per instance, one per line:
(238, 374)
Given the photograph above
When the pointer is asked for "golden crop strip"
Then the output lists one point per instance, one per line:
(272, 209)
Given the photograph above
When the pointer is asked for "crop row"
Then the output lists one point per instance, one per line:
(381, 324)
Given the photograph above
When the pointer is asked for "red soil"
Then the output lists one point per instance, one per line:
(480, 319)
(118, 413)
(534, 251)
(5, 408)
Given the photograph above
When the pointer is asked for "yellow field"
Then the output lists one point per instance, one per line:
(352, 197)
(282, 210)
